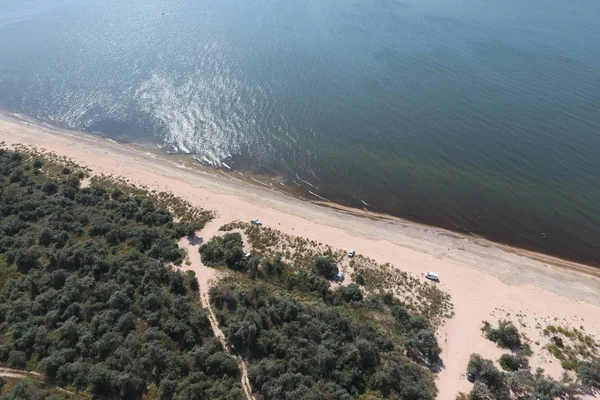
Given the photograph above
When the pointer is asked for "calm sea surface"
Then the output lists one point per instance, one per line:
(476, 115)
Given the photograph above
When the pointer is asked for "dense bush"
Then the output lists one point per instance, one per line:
(351, 292)
(296, 350)
(506, 335)
(522, 384)
(510, 362)
(86, 296)
(589, 373)
(487, 373)
(325, 267)
(223, 250)
(227, 251)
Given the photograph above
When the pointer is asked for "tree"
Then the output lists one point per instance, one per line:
(521, 383)
(325, 267)
(589, 373)
(50, 187)
(351, 292)
(19, 392)
(487, 373)
(480, 392)
(510, 362)
(17, 359)
(506, 335)
(423, 345)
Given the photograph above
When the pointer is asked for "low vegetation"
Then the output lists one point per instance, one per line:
(491, 383)
(506, 335)
(513, 362)
(89, 292)
(419, 296)
(300, 254)
(518, 381)
(26, 388)
(577, 351)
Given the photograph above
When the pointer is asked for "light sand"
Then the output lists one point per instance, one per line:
(486, 280)
(205, 277)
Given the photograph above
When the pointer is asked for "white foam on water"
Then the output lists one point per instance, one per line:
(206, 114)
(307, 182)
(316, 195)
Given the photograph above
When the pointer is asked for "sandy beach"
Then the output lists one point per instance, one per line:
(486, 281)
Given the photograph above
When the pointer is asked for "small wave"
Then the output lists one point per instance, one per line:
(307, 182)
(205, 111)
(260, 182)
(316, 195)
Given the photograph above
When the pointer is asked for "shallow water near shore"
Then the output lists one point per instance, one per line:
(476, 116)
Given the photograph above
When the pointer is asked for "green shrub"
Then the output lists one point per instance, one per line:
(92, 300)
(351, 292)
(506, 335)
(312, 350)
(589, 373)
(510, 362)
(325, 267)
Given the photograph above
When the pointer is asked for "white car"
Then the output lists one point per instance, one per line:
(351, 253)
(256, 222)
(433, 276)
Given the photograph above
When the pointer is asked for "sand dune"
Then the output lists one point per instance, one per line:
(486, 281)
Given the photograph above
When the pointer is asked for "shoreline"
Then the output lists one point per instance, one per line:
(261, 182)
(186, 162)
(487, 281)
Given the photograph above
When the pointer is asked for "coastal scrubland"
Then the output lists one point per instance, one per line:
(386, 273)
(90, 293)
(304, 336)
(515, 380)
(93, 301)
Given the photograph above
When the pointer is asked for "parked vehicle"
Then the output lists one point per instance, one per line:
(256, 222)
(339, 277)
(432, 276)
(471, 377)
(351, 253)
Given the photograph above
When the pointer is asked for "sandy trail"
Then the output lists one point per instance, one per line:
(20, 374)
(17, 373)
(486, 281)
(206, 276)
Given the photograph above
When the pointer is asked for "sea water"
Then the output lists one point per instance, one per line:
(476, 115)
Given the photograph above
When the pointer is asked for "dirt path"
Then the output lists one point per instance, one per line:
(18, 373)
(13, 373)
(205, 277)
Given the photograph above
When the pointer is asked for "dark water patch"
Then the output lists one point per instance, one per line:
(481, 117)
